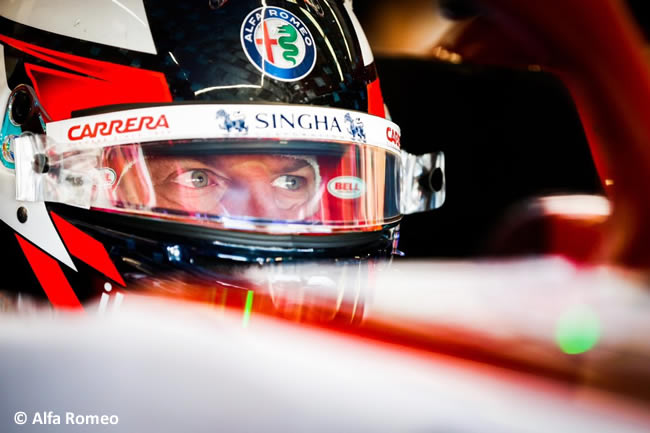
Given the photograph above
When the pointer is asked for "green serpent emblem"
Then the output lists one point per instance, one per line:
(286, 42)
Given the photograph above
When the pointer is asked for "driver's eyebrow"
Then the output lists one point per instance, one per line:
(292, 164)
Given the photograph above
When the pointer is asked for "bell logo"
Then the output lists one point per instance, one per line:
(393, 136)
(109, 176)
(346, 187)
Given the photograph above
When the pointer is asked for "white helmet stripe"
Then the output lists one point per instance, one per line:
(38, 228)
(118, 23)
(366, 51)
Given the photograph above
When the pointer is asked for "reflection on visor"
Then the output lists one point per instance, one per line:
(292, 169)
(343, 185)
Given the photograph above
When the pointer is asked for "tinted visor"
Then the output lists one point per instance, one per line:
(319, 186)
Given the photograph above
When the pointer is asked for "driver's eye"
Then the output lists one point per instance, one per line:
(200, 178)
(289, 182)
(196, 178)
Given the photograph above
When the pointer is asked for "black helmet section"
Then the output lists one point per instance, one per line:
(248, 247)
(142, 248)
(220, 54)
(213, 50)
(216, 51)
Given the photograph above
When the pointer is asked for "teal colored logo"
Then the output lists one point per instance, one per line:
(7, 154)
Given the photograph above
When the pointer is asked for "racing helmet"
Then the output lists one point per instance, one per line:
(142, 136)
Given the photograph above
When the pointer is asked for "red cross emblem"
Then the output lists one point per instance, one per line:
(267, 42)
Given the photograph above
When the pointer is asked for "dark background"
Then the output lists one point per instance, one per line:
(508, 135)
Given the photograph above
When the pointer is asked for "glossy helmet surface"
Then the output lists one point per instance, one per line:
(109, 80)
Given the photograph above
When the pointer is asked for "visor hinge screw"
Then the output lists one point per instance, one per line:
(436, 179)
(40, 163)
(432, 181)
(21, 214)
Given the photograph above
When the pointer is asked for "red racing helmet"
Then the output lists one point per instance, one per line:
(143, 137)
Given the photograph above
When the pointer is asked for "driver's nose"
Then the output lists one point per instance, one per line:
(253, 199)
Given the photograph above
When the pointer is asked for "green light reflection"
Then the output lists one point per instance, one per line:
(248, 308)
(577, 330)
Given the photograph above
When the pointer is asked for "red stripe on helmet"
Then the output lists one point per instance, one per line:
(49, 274)
(375, 99)
(87, 249)
(99, 83)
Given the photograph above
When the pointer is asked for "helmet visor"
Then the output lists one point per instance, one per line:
(268, 168)
(321, 186)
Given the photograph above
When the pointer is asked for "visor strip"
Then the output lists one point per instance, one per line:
(211, 121)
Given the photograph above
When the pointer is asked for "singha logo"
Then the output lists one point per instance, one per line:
(236, 122)
(355, 128)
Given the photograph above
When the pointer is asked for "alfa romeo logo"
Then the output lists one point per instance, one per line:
(278, 43)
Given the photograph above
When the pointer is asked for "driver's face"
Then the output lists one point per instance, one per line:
(258, 186)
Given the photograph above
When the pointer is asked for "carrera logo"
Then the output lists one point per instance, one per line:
(105, 129)
(393, 136)
(346, 187)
